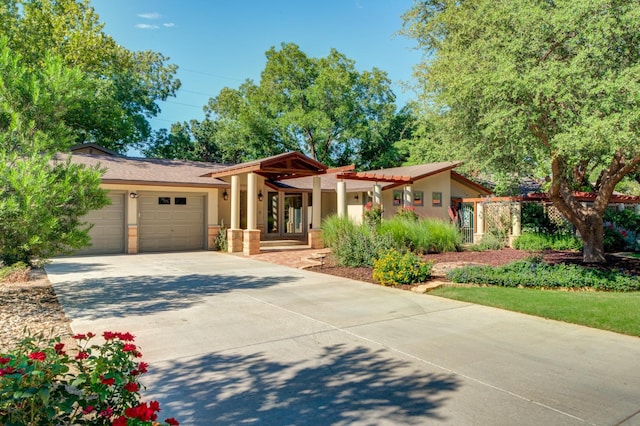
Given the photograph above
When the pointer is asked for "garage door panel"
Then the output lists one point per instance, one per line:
(171, 227)
(107, 233)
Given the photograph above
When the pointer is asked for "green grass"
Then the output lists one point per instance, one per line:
(618, 312)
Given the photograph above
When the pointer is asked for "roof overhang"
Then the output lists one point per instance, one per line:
(375, 177)
(279, 167)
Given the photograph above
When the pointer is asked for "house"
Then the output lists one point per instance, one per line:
(169, 205)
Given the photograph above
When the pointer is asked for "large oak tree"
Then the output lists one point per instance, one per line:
(537, 85)
(126, 84)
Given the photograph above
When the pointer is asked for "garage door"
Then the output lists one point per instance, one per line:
(171, 222)
(107, 234)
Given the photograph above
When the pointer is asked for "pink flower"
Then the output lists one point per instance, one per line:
(88, 409)
(107, 412)
(38, 356)
(82, 355)
(132, 387)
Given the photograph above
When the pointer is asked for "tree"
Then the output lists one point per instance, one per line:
(321, 106)
(551, 86)
(126, 84)
(42, 199)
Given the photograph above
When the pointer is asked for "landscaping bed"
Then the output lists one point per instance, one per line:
(489, 257)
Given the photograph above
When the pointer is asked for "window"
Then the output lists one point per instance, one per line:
(164, 200)
(180, 201)
(397, 198)
(418, 198)
(436, 199)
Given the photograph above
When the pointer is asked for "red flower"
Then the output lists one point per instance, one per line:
(126, 337)
(107, 381)
(80, 336)
(38, 356)
(142, 367)
(4, 360)
(88, 409)
(58, 347)
(107, 412)
(7, 370)
(90, 335)
(129, 347)
(109, 335)
(132, 387)
(141, 412)
(171, 421)
(120, 421)
(82, 355)
(154, 405)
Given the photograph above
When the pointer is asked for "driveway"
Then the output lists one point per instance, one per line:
(231, 340)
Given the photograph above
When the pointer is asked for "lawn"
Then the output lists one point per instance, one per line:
(619, 312)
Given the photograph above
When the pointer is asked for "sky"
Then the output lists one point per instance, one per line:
(221, 43)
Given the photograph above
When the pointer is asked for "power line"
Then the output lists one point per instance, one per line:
(211, 75)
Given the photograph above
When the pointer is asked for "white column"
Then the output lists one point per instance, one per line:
(516, 220)
(252, 201)
(316, 198)
(377, 195)
(235, 202)
(408, 196)
(341, 188)
(479, 219)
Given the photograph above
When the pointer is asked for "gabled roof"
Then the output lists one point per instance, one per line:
(92, 149)
(278, 167)
(468, 182)
(149, 171)
(388, 178)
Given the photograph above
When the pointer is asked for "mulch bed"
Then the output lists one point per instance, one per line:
(489, 257)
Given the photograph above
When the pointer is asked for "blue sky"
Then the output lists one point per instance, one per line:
(219, 44)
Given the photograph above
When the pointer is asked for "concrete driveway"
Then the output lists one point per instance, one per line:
(231, 340)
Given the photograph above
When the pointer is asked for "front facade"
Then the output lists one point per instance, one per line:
(165, 205)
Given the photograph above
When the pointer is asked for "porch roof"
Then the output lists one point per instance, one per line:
(278, 167)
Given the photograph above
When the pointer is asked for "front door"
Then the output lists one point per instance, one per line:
(286, 216)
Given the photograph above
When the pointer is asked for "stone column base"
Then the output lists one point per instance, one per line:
(512, 238)
(315, 239)
(132, 239)
(477, 238)
(212, 233)
(251, 244)
(234, 240)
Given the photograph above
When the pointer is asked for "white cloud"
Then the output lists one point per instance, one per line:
(169, 25)
(147, 27)
(150, 15)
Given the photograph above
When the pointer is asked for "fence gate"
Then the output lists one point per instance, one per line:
(465, 219)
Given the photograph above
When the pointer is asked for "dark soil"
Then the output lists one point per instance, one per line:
(493, 258)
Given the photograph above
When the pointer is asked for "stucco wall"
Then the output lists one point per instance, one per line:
(438, 183)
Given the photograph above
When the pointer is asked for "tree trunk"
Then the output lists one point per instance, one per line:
(592, 233)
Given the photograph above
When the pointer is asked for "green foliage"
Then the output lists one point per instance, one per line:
(535, 273)
(613, 240)
(220, 243)
(532, 241)
(40, 383)
(373, 215)
(42, 202)
(551, 88)
(18, 272)
(488, 242)
(407, 213)
(393, 268)
(427, 235)
(323, 107)
(534, 219)
(353, 245)
(126, 85)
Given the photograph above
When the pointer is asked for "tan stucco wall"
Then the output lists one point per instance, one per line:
(437, 183)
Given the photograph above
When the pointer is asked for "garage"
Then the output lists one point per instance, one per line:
(107, 234)
(171, 221)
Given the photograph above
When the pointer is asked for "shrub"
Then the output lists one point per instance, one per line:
(535, 273)
(426, 235)
(372, 215)
(537, 242)
(41, 384)
(220, 241)
(18, 272)
(407, 213)
(394, 267)
(488, 242)
(613, 240)
(353, 245)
